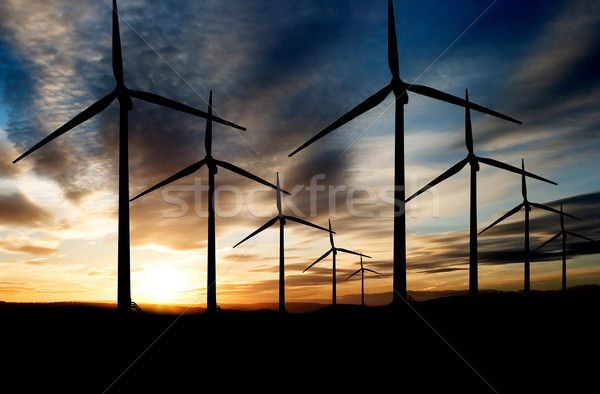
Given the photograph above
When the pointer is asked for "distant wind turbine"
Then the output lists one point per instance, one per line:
(473, 161)
(282, 221)
(399, 88)
(123, 95)
(212, 164)
(362, 280)
(333, 250)
(564, 234)
(527, 205)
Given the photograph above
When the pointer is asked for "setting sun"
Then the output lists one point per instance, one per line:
(162, 283)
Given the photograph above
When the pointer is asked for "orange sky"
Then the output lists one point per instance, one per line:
(285, 74)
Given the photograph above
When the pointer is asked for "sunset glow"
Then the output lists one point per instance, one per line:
(285, 70)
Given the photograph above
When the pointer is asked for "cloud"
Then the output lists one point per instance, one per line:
(18, 210)
(503, 244)
(7, 169)
(285, 71)
(26, 246)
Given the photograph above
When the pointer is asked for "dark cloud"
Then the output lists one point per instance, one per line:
(18, 210)
(504, 243)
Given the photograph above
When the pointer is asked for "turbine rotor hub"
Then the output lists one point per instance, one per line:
(398, 87)
(124, 97)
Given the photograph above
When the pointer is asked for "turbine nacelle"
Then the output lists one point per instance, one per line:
(124, 97)
(399, 88)
(473, 161)
(211, 164)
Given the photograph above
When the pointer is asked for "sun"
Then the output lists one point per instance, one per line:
(162, 283)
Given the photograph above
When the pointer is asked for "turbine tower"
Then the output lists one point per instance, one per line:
(123, 95)
(527, 205)
(362, 280)
(282, 221)
(333, 250)
(399, 88)
(564, 234)
(474, 162)
(212, 164)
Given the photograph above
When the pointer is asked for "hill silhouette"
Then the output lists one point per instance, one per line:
(509, 344)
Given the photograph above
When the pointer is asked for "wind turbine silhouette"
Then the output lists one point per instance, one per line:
(333, 250)
(473, 161)
(527, 205)
(212, 164)
(282, 221)
(123, 95)
(399, 88)
(564, 234)
(362, 280)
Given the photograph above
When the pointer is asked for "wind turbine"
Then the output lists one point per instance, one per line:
(399, 88)
(474, 162)
(123, 95)
(333, 250)
(212, 164)
(564, 234)
(527, 205)
(282, 221)
(362, 280)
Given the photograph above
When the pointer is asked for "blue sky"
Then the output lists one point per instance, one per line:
(285, 70)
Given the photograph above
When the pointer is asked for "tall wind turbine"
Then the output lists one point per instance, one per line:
(123, 95)
(362, 280)
(473, 161)
(282, 221)
(527, 205)
(334, 250)
(399, 88)
(212, 164)
(564, 234)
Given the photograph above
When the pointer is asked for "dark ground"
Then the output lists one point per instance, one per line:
(508, 344)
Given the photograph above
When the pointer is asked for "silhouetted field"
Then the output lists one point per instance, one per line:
(508, 344)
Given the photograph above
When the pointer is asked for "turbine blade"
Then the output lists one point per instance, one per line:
(262, 228)
(451, 171)
(468, 127)
(550, 240)
(186, 171)
(117, 56)
(504, 166)
(361, 108)
(208, 132)
(523, 181)
(506, 215)
(246, 174)
(580, 236)
(319, 259)
(375, 272)
(357, 271)
(330, 234)
(392, 42)
(550, 209)
(165, 102)
(279, 209)
(84, 115)
(352, 252)
(302, 221)
(439, 95)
